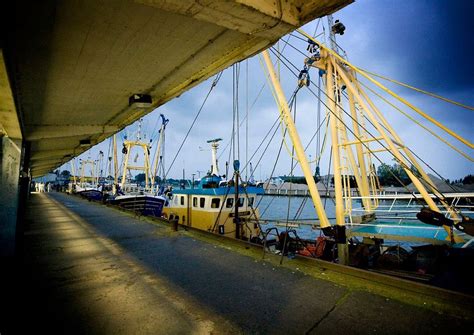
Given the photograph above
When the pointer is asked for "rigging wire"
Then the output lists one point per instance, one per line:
(214, 83)
(251, 106)
(246, 117)
(429, 183)
(419, 123)
(404, 101)
(418, 90)
(365, 145)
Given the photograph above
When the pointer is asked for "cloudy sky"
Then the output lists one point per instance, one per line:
(425, 43)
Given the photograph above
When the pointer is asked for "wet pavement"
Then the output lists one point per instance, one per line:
(92, 269)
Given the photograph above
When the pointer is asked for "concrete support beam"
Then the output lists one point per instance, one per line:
(38, 172)
(52, 153)
(39, 132)
(43, 161)
(47, 164)
(10, 164)
(263, 18)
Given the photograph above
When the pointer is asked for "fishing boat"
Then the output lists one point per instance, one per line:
(90, 189)
(223, 207)
(144, 201)
(432, 222)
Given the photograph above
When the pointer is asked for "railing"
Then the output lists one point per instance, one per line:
(303, 193)
(406, 204)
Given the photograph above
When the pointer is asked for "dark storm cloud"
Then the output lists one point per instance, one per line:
(432, 41)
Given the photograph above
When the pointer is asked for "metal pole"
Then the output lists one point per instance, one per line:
(333, 123)
(158, 152)
(125, 164)
(115, 163)
(236, 207)
(300, 154)
(359, 149)
(393, 149)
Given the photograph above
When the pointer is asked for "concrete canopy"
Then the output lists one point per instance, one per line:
(74, 64)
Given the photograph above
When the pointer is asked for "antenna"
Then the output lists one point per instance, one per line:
(335, 28)
(214, 146)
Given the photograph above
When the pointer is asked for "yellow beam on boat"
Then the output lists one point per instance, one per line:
(398, 141)
(361, 140)
(333, 122)
(396, 96)
(299, 149)
(419, 90)
(393, 149)
(360, 151)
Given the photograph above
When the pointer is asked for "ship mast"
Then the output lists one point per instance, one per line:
(342, 72)
(73, 169)
(128, 145)
(164, 122)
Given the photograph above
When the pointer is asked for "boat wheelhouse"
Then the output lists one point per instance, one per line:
(224, 207)
(212, 208)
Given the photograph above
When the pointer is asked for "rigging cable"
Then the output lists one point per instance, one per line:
(214, 83)
(417, 110)
(419, 123)
(252, 105)
(432, 185)
(418, 90)
(365, 145)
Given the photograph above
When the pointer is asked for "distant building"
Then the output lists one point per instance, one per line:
(441, 186)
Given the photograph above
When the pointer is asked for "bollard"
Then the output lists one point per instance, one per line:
(174, 224)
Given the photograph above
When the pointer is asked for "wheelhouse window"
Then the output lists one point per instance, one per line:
(229, 203)
(215, 203)
(195, 202)
(241, 202)
(202, 202)
(182, 200)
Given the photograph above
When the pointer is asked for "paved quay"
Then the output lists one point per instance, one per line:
(93, 269)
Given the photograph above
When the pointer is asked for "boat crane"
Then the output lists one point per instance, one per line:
(84, 163)
(158, 152)
(128, 145)
(340, 80)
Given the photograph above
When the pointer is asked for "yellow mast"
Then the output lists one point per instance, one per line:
(287, 118)
(417, 110)
(393, 145)
(146, 165)
(334, 123)
(83, 164)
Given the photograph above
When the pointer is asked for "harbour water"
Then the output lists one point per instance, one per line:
(278, 209)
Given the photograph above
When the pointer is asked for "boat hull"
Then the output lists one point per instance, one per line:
(91, 194)
(143, 204)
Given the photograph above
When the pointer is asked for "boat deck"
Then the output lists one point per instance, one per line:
(89, 268)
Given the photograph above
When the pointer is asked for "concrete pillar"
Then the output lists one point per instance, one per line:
(10, 163)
